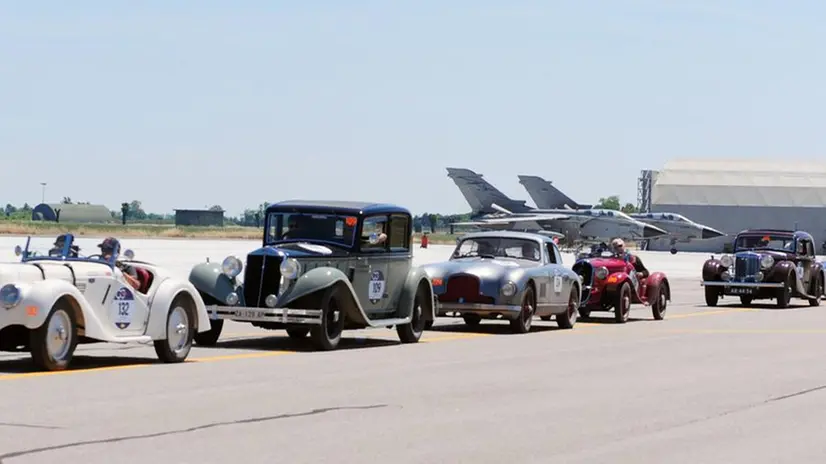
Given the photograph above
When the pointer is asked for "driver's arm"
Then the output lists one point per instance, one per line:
(131, 275)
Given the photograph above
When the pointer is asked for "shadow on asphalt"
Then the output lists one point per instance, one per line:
(25, 365)
(769, 306)
(304, 345)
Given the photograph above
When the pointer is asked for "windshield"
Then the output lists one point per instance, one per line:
(329, 228)
(495, 247)
(783, 242)
(60, 247)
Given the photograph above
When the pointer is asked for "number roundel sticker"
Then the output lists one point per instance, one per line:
(123, 308)
(377, 284)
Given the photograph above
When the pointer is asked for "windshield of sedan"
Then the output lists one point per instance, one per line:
(496, 247)
(765, 241)
(328, 228)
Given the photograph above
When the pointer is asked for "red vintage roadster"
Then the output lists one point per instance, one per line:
(611, 282)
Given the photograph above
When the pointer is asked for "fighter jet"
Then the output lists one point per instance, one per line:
(493, 209)
(679, 228)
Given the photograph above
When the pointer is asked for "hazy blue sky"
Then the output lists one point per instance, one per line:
(193, 103)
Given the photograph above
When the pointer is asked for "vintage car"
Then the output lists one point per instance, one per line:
(56, 299)
(323, 267)
(766, 264)
(506, 275)
(611, 282)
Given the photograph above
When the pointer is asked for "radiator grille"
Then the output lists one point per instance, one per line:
(262, 277)
(746, 266)
(466, 287)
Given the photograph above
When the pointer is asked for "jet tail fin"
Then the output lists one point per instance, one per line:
(481, 195)
(546, 196)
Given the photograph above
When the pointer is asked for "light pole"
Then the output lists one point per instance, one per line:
(43, 194)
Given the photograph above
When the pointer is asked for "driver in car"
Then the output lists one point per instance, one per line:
(59, 243)
(107, 247)
(619, 248)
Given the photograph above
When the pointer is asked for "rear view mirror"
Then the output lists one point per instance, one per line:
(18, 251)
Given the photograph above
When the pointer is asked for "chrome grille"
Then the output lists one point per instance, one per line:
(746, 266)
(262, 277)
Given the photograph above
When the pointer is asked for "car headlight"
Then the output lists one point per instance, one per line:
(10, 296)
(726, 260)
(290, 268)
(232, 266)
(509, 289)
(602, 272)
(766, 262)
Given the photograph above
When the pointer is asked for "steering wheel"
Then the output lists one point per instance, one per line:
(98, 256)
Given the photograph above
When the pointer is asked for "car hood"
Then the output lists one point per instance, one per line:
(484, 268)
(612, 264)
(298, 250)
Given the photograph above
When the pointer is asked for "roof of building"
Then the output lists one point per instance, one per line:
(74, 212)
(741, 183)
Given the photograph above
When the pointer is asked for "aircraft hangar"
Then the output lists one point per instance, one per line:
(735, 194)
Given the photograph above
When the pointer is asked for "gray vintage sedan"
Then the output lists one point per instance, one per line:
(506, 275)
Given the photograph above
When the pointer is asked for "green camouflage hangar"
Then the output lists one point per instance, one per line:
(735, 194)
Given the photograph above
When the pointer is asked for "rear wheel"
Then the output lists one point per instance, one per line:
(412, 331)
(522, 323)
(659, 305)
(784, 295)
(53, 344)
(327, 335)
(567, 320)
(622, 304)
(817, 290)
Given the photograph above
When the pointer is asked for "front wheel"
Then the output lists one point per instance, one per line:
(522, 323)
(211, 336)
(180, 330)
(712, 296)
(622, 304)
(784, 295)
(817, 291)
(327, 335)
(567, 320)
(53, 344)
(659, 305)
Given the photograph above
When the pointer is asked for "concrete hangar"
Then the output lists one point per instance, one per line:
(735, 194)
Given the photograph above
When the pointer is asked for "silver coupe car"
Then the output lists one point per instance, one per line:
(506, 275)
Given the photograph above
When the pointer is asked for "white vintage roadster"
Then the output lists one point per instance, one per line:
(50, 302)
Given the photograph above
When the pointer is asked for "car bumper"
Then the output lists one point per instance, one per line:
(717, 283)
(282, 315)
(477, 308)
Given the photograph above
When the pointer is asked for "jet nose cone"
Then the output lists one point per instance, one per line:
(708, 233)
(651, 231)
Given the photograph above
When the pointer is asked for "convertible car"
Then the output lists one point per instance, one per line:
(506, 275)
(56, 299)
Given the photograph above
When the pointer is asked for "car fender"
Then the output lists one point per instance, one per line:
(302, 292)
(712, 269)
(654, 282)
(780, 271)
(39, 298)
(415, 278)
(210, 279)
(161, 303)
(613, 282)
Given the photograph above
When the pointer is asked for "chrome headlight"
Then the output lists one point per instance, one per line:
(766, 262)
(10, 296)
(726, 260)
(232, 266)
(726, 275)
(601, 272)
(509, 289)
(290, 268)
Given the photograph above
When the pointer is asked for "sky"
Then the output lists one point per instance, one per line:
(185, 104)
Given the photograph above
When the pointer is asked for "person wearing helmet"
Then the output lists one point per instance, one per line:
(618, 246)
(107, 248)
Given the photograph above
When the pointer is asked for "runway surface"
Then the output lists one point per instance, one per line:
(726, 384)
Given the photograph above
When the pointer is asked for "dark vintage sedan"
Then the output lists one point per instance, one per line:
(766, 264)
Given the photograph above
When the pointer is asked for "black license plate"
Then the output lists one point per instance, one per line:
(741, 290)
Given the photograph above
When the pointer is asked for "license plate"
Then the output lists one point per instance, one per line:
(246, 313)
(741, 290)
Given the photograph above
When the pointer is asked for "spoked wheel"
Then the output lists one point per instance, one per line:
(567, 320)
(522, 323)
(659, 305)
(622, 305)
(180, 331)
(412, 331)
(327, 335)
(53, 344)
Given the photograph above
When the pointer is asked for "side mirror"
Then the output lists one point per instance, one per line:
(373, 239)
(129, 254)
(17, 250)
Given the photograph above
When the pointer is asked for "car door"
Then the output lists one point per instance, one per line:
(123, 310)
(371, 273)
(399, 258)
(559, 280)
(805, 261)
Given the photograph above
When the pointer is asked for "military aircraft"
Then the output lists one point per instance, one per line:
(680, 229)
(492, 209)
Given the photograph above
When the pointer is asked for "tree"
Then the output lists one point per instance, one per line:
(612, 202)
(629, 208)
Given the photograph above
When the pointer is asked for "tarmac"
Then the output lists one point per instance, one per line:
(728, 384)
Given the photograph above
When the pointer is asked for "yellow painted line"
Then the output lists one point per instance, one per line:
(25, 375)
(711, 313)
(752, 331)
(456, 337)
(231, 357)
